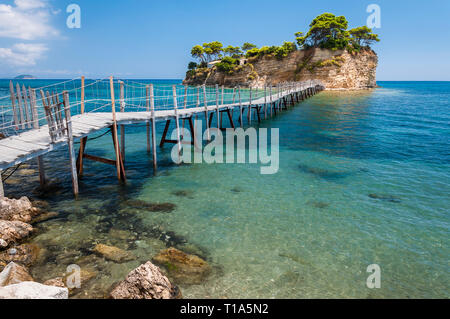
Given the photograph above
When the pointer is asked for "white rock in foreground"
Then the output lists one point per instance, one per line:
(33, 290)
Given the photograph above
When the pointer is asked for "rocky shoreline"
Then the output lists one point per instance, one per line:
(152, 279)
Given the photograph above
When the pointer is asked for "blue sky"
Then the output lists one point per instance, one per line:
(152, 39)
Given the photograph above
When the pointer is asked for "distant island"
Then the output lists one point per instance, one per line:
(25, 77)
(340, 57)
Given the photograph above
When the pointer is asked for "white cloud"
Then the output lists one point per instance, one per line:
(26, 20)
(22, 54)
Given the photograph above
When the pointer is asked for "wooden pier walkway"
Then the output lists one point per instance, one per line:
(41, 126)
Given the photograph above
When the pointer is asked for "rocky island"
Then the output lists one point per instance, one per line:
(340, 58)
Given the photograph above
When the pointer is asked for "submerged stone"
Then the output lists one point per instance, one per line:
(318, 204)
(14, 274)
(385, 197)
(113, 253)
(44, 217)
(25, 254)
(152, 207)
(322, 173)
(183, 193)
(182, 267)
(121, 234)
(146, 282)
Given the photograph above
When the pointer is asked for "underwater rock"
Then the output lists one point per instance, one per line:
(151, 207)
(48, 189)
(183, 193)
(25, 254)
(113, 253)
(13, 231)
(318, 204)
(121, 234)
(33, 290)
(385, 197)
(14, 274)
(146, 282)
(322, 173)
(44, 217)
(42, 204)
(182, 267)
(236, 190)
(17, 209)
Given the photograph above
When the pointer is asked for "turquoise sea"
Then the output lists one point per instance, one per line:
(364, 179)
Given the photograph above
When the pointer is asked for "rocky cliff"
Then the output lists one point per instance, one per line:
(336, 70)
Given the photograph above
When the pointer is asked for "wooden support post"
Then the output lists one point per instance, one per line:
(265, 101)
(2, 191)
(119, 163)
(27, 105)
(217, 107)
(175, 105)
(122, 127)
(249, 113)
(13, 104)
(240, 106)
(147, 108)
(184, 106)
(35, 116)
(33, 104)
(152, 109)
(222, 104)
(20, 104)
(70, 142)
(271, 99)
(205, 101)
(82, 96)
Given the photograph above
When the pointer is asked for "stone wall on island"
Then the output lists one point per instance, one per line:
(338, 70)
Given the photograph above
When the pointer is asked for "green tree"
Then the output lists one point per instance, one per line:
(199, 53)
(213, 50)
(233, 51)
(363, 36)
(326, 31)
(227, 64)
(192, 66)
(248, 46)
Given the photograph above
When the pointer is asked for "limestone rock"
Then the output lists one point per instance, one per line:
(182, 267)
(14, 274)
(13, 231)
(113, 253)
(26, 254)
(33, 290)
(17, 209)
(145, 282)
(335, 69)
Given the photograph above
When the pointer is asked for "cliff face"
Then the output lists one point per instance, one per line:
(336, 70)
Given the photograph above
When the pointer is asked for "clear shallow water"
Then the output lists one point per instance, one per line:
(309, 231)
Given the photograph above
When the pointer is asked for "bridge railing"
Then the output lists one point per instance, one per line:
(30, 108)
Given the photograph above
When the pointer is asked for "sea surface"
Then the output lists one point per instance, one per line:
(364, 179)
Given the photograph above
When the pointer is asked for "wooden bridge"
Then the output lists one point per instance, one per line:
(32, 127)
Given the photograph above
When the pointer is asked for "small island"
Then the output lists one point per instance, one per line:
(25, 77)
(341, 58)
